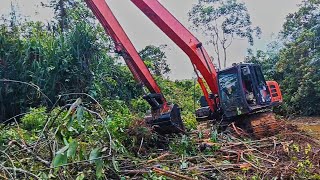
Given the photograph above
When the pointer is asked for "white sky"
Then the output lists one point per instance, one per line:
(269, 15)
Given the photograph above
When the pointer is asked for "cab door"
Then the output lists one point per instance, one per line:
(260, 86)
(231, 95)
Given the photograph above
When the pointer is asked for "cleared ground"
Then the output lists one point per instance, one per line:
(309, 124)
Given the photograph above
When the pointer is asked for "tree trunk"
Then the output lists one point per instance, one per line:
(225, 56)
(217, 50)
(62, 21)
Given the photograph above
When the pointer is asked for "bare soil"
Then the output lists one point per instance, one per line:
(311, 125)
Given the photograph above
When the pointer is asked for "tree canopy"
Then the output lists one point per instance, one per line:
(222, 21)
(296, 64)
(155, 59)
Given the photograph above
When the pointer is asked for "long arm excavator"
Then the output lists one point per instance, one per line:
(164, 118)
(238, 94)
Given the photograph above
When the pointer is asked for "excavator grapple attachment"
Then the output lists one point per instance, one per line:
(169, 122)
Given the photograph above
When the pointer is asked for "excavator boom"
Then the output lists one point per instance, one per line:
(186, 41)
(238, 91)
(164, 118)
(123, 44)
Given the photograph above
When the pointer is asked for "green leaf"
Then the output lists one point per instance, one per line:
(166, 168)
(62, 150)
(184, 165)
(80, 177)
(226, 162)
(94, 154)
(60, 159)
(99, 168)
(65, 141)
(115, 164)
(80, 114)
(71, 129)
(72, 148)
(70, 122)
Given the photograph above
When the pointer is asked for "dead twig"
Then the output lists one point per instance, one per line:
(141, 142)
(25, 147)
(170, 174)
(3, 176)
(22, 171)
(5, 169)
(241, 155)
(134, 172)
(29, 84)
(10, 161)
(214, 166)
(158, 158)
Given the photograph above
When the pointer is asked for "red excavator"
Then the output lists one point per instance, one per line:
(237, 94)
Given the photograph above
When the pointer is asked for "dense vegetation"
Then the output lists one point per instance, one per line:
(294, 61)
(58, 63)
(46, 69)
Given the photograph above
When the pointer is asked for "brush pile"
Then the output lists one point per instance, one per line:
(80, 143)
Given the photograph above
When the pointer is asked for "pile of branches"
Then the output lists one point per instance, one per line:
(228, 155)
(75, 142)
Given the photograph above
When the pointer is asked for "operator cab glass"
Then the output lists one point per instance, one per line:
(263, 94)
(242, 90)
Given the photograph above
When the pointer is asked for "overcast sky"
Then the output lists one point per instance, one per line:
(269, 15)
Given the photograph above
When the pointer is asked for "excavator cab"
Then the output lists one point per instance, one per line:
(243, 90)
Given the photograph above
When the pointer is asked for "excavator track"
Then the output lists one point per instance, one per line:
(258, 125)
(262, 124)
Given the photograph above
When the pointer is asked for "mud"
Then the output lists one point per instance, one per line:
(311, 125)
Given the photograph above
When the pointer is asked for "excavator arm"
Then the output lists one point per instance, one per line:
(165, 118)
(187, 42)
(123, 44)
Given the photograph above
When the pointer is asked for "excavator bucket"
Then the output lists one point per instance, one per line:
(169, 122)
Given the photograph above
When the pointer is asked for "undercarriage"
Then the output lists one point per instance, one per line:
(257, 125)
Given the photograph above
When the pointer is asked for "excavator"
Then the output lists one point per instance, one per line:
(238, 94)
